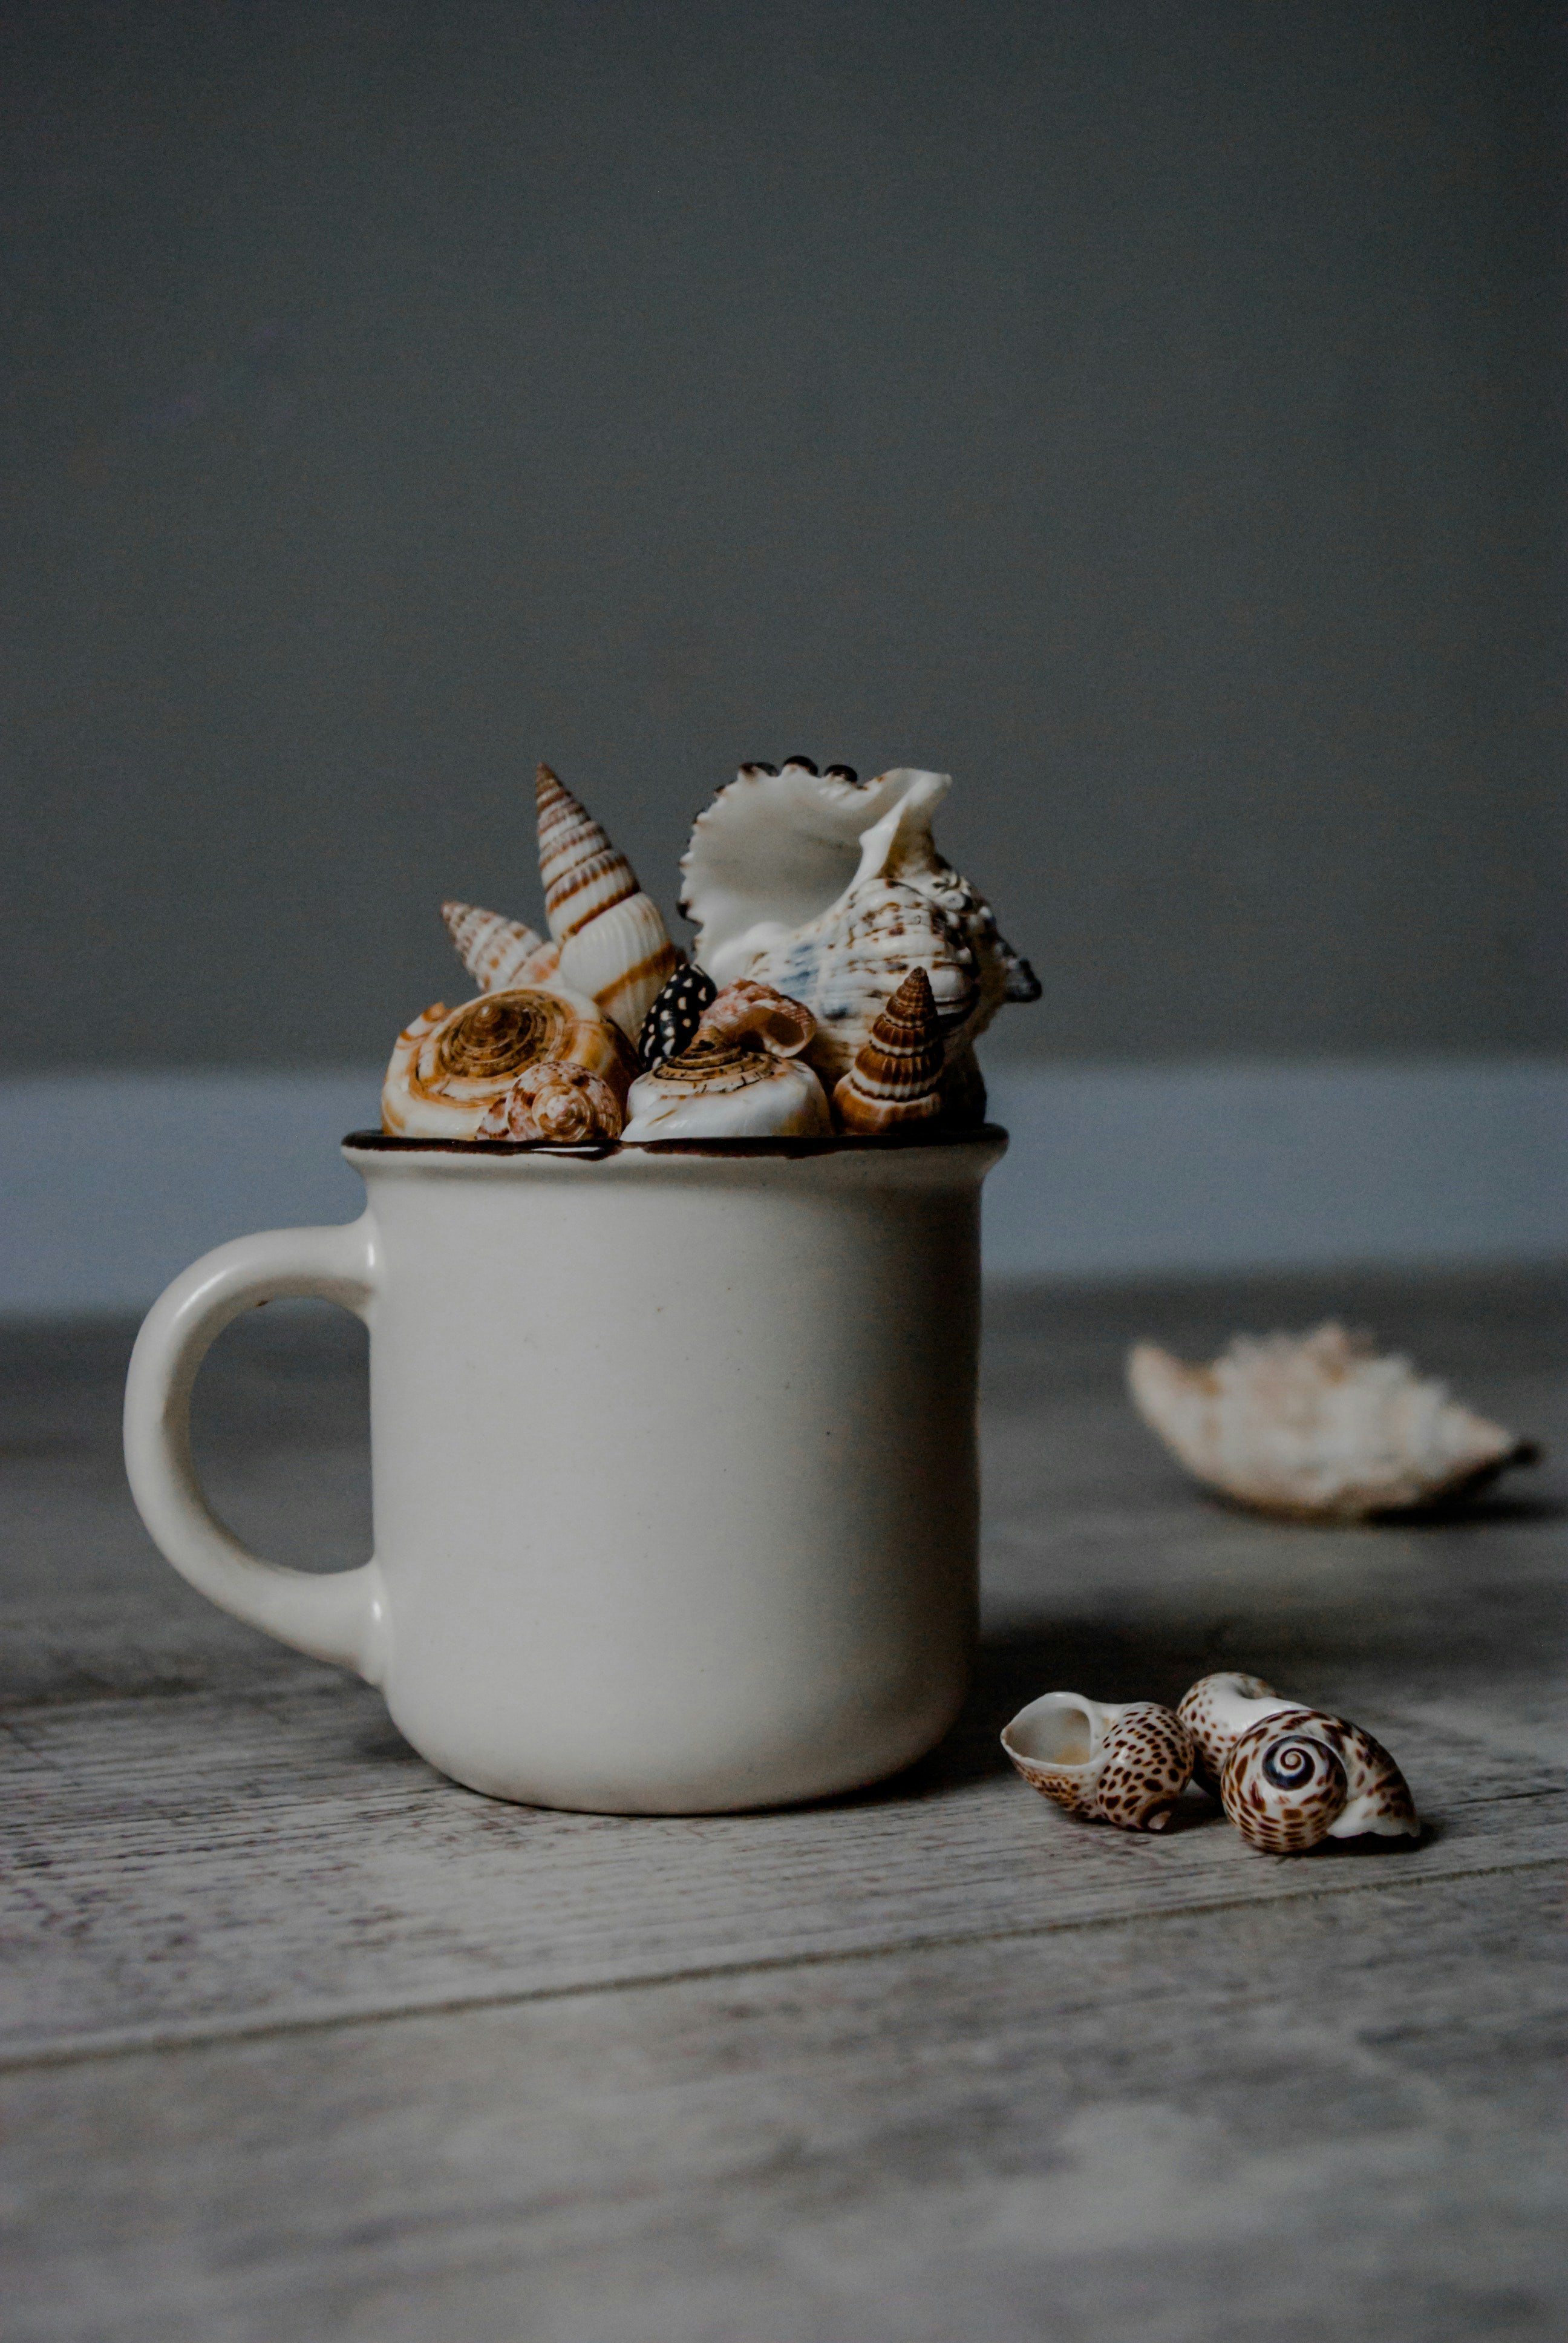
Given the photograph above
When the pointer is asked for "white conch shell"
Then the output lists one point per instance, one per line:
(1290, 1776)
(451, 1066)
(846, 965)
(1125, 1762)
(720, 1089)
(897, 1076)
(775, 850)
(614, 944)
(1317, 1425)
(501, 955)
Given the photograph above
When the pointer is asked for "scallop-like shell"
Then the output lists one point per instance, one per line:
(565, 1104)
(614, 944)
(1319, 1427)
(897, 1076)
(720, 1089)
(501, 955)
(1125, 1762)
(1289, 1776)
(450, 1067)
(778, 850)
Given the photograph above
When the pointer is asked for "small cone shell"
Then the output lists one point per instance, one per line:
(499, 953)
(614, 945)
(898, 1071)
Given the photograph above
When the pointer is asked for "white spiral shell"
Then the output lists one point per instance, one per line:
(451, 1067)
(1125, 1762)
(1290, 1776)
(614, 945)
(727, 1090)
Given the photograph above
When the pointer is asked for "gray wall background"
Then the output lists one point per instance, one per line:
(1146, 409)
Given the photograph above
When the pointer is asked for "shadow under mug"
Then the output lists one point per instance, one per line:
(673, 1459)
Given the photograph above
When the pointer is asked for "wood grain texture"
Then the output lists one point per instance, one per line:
(299, 2039)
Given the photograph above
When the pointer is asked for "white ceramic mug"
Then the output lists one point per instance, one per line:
(673, 1459)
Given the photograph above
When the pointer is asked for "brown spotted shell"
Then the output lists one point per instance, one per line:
(1298, 1777)
(613, 941)
(897, 1076)
(1124, 1763)
(1209, 1711)
(450, 1067)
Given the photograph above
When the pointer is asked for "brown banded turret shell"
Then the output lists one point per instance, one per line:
(897, 1076)
(1125, 1762)
(501, 955)
(614, 945)
(450, 1067)
(1290, 1776)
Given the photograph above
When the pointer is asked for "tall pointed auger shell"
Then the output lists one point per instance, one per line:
(614, 945)
(897, 1076)
(499, 953)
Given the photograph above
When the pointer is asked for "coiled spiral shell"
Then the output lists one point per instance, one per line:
(783, 1027)
(1290, 1776)
(897, 1076)
(727, 1089)
(565, 1105)
(501, 955)
(450, 1067)
(1125, 1762)
(614, 943)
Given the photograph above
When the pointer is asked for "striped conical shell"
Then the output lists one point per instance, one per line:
(898, 1070)
(614, 944)
(499, 953)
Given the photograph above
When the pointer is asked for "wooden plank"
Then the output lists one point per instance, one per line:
(187, 1866)
(1335, 2117)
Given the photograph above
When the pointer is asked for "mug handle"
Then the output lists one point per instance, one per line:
(340, 1615)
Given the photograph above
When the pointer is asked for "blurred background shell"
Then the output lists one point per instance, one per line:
(1318, 1426)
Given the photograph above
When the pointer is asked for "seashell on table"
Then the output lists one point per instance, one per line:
(1124, 1763)
(1318, 1426)
(1288, 1775)
(451, 1068)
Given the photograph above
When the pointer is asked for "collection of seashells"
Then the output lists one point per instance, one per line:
(841, 974)
(1288, 1776)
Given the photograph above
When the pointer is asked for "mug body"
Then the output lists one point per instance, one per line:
(675, 1471)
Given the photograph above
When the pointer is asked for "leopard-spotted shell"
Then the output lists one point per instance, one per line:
(1288, 1775)
(1125, 1762)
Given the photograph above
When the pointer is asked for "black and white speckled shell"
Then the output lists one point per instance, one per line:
(671, 1023)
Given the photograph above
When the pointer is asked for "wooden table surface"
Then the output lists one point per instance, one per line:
(298, 2040)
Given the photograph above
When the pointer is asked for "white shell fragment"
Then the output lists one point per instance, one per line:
(451, 1068)
(1318, 1426)
(741, 1077)
(1289, 1776)
(614, 945)
(1125, 1762)
(832, 890)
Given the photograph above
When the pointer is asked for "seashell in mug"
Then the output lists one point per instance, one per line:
(564, 1104)
(1289, 1776)
(450, 1067)
(614, 943)
(1319, 1427)
(1125, 1762)
(501, 955)
(782, 1026)
(670, 1025)
(777, 850)
(897, 1076)
(720, 1089)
